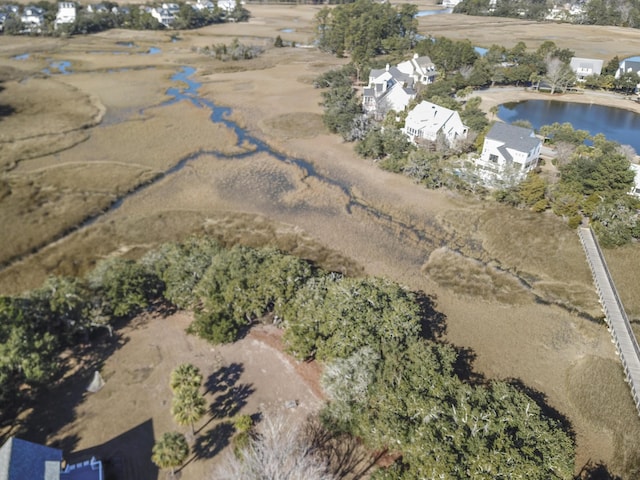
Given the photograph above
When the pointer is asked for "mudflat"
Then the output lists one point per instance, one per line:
(148, 167)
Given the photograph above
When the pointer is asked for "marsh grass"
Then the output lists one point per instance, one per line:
(49, 116)
(608, 406)
(466, 276)
(489, 246)
(135, 235)
(544, 252)
(624, 265)
(294, 125)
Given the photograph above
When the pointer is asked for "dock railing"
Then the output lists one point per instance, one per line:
(615, 316)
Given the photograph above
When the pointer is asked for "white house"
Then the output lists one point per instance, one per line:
(508, 153)
(204, 5)
(427, 121)
(227, 5)
(628, 65)
(97, 8)
(635, 190)
(388, 89)
(393, 88)
(450, 3)
(421, 69)
(163, 15)
(32, 17)
(66, 13)
(585, 67)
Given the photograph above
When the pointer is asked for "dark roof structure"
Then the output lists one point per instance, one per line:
(22, 460)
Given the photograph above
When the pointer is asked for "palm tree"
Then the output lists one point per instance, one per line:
(187, 407)
(170, 451)
(185, 375)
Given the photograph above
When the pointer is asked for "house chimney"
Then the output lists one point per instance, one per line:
(387, 68)
(415, 55)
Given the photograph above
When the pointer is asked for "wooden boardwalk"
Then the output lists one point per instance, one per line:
(619, 326)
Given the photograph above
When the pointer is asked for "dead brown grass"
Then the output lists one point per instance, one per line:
(624, 264)
(294, 125)
(586, 40)
(394, 230)
(62, 112)
(468, 277)
(608, 407)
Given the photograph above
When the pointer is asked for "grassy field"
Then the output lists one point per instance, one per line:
(514, 286)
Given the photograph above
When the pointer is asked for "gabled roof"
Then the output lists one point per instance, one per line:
(391, 72)
(515, 138)
(22, 460)
(592, 64)
(424, 62)
(429, 116)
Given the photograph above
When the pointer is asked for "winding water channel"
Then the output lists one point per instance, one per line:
(425, 235)
(188, 90)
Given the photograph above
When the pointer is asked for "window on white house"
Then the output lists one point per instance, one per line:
(493, 158)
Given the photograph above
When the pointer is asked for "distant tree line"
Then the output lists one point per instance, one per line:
(623, 13)
(132, 16)
(389, 380)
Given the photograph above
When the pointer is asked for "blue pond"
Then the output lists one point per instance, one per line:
(24, 56)
(287, 30)
(481, 51)
(427, 13)
(616, 124)
(154, 51)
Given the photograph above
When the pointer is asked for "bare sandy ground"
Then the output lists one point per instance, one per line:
(250, 377)
(439, 242)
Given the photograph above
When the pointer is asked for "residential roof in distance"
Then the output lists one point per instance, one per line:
(586, 64)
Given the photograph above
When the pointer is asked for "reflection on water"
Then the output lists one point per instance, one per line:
(58, 67)
(481, 51)
(427, 13)
(616, 124)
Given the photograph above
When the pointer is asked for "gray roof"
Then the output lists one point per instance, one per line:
(22, 460)
(592, 64)
(516, 138)
(632, 65)
(395, 73)
(424, 62)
